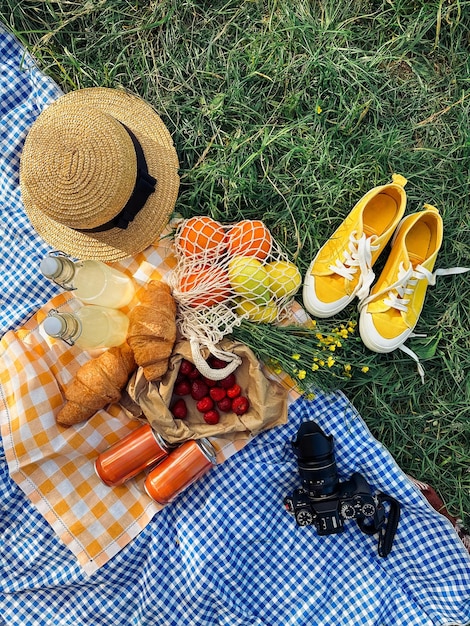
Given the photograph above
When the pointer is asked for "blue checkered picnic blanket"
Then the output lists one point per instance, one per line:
(226, 553)
(24, 92)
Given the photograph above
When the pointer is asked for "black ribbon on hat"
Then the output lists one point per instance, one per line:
(143, 188)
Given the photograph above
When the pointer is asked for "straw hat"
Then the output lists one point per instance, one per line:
(99, 174)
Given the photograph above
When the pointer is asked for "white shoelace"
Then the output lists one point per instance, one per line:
(405, 286)
(358, 256)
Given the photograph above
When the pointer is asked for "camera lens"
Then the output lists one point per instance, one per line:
(316, 460)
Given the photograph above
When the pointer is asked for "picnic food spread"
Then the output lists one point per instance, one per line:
(148, 346)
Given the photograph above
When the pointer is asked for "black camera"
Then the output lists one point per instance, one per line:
(325, 502)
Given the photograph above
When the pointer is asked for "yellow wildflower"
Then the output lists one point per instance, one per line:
(365, 369)
(296, 357)
(301, 375)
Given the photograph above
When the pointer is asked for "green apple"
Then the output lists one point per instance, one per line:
(258, 312)
(284, 278)
(249, 279)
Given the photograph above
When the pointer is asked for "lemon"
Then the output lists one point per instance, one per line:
(249, 279)
(284, 278)
(258, 313)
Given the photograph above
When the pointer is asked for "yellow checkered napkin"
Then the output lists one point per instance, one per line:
(54, 466)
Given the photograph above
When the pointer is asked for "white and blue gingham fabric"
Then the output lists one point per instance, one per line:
(226, 553)
(24, 92)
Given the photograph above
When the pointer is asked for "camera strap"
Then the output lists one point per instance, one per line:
(385, 524)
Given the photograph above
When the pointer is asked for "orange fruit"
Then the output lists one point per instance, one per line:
(200, 235)
(249, 238)
(208, 286)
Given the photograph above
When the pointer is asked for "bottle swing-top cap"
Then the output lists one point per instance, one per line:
(60, 269)
(54, 325)
(50, 266)
(62, 326)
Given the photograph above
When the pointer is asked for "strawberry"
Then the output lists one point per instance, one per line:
(182, 388)
(212, 417)
(217, 393)
(209, 382)
(179, 409)
(180, 377)
(186, 367)
(217, 364)
(205, 404)
(225, 405)
(234, 391)
(195, 374)
(228, 381)
(199, 389)
(240, 405)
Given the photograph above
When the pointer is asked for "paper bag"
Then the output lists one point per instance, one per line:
(268, 400)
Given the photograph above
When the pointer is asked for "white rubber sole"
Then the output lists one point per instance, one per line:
(374, 341)
(317, 307)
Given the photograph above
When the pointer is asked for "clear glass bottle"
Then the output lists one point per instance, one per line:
(89, 327)
(93, 282)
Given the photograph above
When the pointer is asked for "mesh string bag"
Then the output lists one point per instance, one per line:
(224, 274)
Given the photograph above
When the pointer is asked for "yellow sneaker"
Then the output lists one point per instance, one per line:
(390, 313)
(342, 269)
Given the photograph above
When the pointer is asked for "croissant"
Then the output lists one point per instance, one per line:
(97, 382)
(152, 330)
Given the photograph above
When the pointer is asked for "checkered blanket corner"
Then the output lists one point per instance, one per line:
(225, 552)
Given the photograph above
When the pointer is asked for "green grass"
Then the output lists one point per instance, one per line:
(290, 112)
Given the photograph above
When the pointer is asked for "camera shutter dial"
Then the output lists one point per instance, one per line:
(348, 511)
(304, 517)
